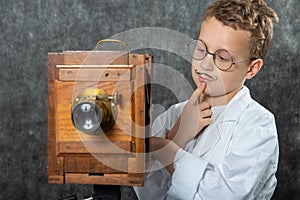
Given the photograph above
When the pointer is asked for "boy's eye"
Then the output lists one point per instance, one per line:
(201, 50)
(223, 57)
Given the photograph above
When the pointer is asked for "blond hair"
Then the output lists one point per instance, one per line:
(254, 16)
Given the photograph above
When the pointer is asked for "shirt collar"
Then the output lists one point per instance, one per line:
(237, 104)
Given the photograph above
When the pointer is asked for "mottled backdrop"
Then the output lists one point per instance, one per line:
(32, 28)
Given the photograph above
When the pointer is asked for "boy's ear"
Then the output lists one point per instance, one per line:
(254, 68)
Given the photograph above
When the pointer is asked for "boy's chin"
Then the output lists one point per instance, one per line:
(213, 92)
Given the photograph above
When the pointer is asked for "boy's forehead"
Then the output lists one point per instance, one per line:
(214, 32)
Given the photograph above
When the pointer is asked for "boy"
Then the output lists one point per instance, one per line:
(220, 143)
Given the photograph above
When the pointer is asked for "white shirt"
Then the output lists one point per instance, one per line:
(235, 157)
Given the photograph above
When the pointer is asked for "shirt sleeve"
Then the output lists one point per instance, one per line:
(249, 164)
(186, 177)
(166, 120)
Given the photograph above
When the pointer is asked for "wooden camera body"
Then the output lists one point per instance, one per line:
(113, 87)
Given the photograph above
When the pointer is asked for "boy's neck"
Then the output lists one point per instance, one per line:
(220, 100)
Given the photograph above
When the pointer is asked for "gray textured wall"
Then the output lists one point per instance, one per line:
(32, 28)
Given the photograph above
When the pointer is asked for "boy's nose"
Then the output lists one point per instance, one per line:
(207, 63)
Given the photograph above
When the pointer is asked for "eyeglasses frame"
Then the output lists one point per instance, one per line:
(214, 56)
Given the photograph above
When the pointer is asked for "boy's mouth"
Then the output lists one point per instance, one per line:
(204, 77)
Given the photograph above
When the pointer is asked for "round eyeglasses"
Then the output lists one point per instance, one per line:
(222, 58)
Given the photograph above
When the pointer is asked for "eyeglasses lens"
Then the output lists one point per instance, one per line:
(198, 51)
(222, 59)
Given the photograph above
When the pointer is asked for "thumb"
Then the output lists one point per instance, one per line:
(197, 93)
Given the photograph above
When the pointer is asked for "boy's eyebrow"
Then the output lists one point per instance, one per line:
(233, 53)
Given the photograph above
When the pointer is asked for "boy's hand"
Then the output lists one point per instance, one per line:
(195, 116)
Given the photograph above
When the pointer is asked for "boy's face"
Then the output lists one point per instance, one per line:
(218, 36)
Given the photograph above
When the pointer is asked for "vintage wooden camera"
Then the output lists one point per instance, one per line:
(98, 116)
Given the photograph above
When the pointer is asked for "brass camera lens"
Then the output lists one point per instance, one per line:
(92, 111)
(86, 117)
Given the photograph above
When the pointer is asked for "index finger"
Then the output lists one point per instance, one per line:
(197, 93)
